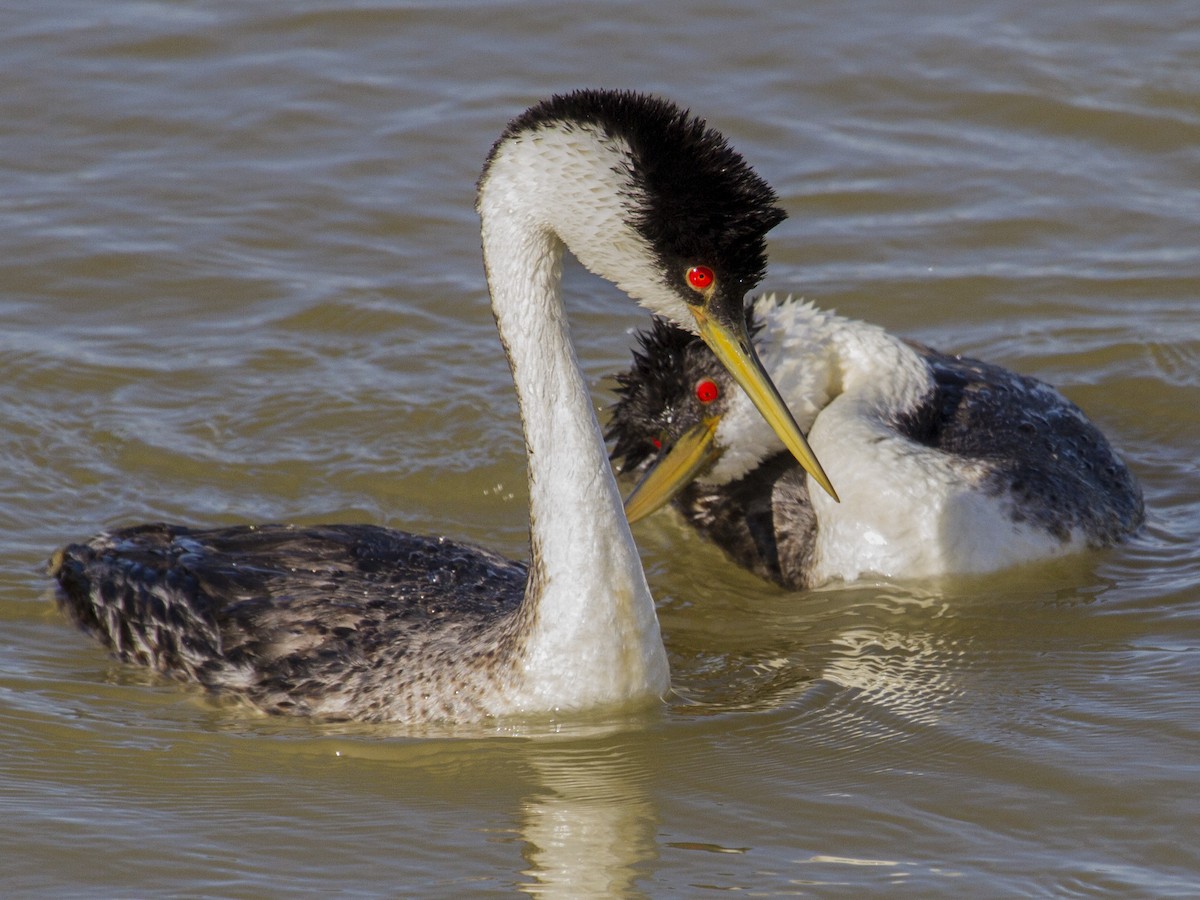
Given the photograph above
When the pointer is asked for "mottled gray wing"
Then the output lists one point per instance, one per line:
(277, 600)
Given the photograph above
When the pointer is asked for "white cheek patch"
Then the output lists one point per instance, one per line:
(590, 208)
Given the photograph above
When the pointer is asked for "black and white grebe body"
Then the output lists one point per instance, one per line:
(945, 465)
(361, 622)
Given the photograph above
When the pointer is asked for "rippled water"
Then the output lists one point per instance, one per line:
(241, 282)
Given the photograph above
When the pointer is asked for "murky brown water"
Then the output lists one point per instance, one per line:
(241, 282)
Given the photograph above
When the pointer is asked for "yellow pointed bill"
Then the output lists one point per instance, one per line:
(738, 356)
(679, 466)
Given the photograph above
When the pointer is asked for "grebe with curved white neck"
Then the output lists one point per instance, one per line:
(367, 623)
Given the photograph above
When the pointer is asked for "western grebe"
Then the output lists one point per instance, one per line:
(946, 465)
(361, 622)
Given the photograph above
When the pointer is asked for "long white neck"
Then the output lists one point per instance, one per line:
(591, 633)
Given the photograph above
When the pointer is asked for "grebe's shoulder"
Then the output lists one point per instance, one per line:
(1039, 450)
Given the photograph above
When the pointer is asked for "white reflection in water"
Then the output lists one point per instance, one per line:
(908, 674)
(590, 830)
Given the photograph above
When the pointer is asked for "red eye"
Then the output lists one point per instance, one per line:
(707, 391)
(657, 442)
(701, 278)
